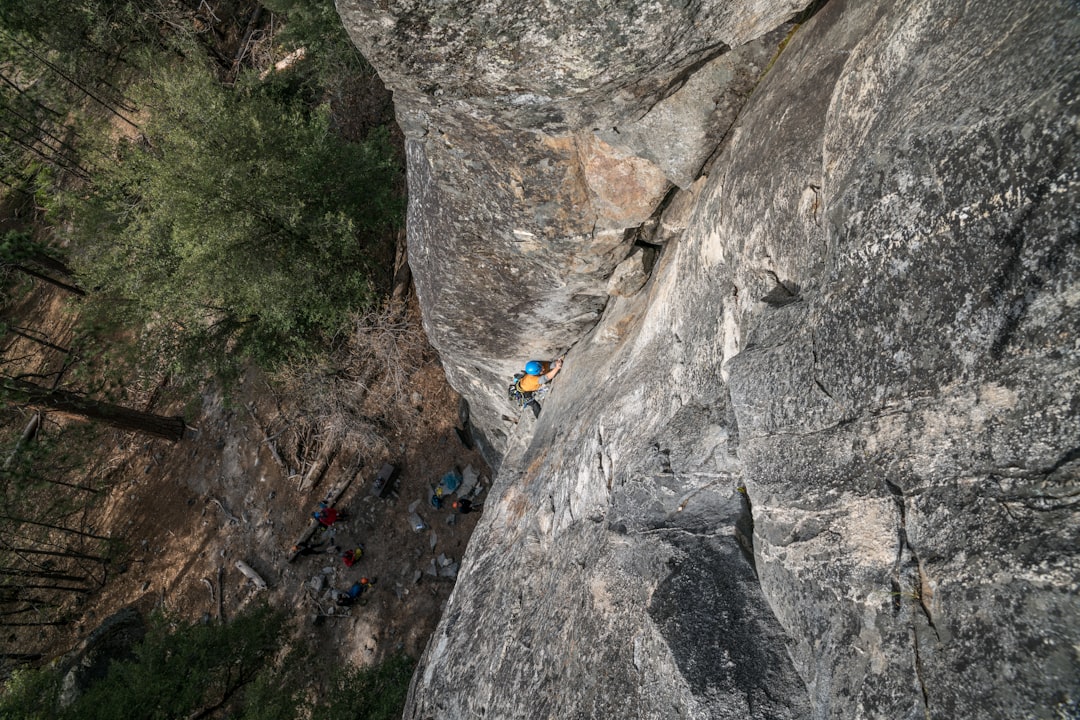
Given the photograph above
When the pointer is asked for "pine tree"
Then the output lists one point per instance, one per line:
(241, 218)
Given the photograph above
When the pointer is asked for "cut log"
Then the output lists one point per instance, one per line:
(251, 574)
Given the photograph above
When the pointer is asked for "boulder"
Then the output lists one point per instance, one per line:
(631, 274)
(114, 640)
(681, 132)
(676, 212)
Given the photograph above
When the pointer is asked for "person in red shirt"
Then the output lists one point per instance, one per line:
(327, 515)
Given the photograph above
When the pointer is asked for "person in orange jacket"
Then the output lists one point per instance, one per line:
(537, 374)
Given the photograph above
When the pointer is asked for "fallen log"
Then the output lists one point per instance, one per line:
(315, 473)
(28, 434)
(331, 498)
(251, 574)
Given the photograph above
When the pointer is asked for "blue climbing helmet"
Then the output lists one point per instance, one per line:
(533, 367)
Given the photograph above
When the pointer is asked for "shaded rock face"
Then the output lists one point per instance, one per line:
(824, 463)
(551, 66)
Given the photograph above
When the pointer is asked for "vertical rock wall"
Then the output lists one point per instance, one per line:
(539, 137)
(909, 424)
(824, 464)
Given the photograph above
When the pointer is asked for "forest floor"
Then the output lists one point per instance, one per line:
(182, 514)
(239, 486)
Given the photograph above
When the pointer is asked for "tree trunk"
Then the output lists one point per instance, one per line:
(34, 338)
(31, 125)
(61, 588)
(54, 553)
(18, 248)
(73, 486)
(22, 611)
(170, 428)
(54, 161)
(71, 80)
(42, 574)
(48, 263)
(53, 527)
(58, 283)
(27, 434)
(35, 601)
(28, 98)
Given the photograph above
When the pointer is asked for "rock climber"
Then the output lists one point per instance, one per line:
(354, 592)
(531, 385)
(537, 374)
(309, 547)
(465, 506)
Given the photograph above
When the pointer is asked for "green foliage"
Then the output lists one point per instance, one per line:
(237, 225)
(37, 462)
(77, 25)
(240, 669)
(315, 26)
(273, 695)
(30, 694)
(18, 247)
(30, 107)
(176, 673)
(241, 226)
(376, 693)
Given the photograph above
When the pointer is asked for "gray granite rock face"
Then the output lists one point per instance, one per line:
(518, 210)
(551, 66)
(910, 425)
(825, 462)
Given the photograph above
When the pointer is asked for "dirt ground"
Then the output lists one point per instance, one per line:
(233, 490)
(205, 503)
